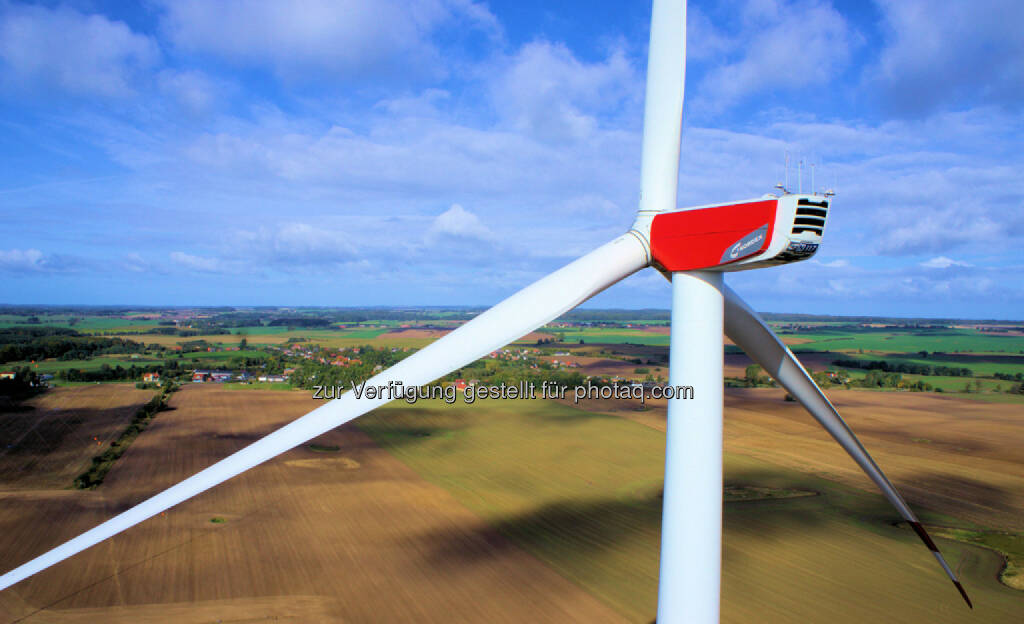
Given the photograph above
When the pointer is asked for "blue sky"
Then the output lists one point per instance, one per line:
(433, 152)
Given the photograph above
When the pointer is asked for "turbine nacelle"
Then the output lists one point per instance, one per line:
(738, 236)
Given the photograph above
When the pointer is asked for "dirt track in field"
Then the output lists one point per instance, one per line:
(308, 537)
(955, 456)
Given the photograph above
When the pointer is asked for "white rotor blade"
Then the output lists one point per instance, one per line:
(513, 318)
(663, 107)
(745, 328)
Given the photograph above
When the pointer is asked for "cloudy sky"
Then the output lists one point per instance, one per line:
(431, 152)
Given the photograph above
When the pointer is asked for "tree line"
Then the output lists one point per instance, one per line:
(102, 463)
(37, 343)
(909, 368)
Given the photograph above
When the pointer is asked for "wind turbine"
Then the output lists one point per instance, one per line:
(694, 247)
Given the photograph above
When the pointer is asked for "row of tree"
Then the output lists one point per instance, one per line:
(38, 343)
(1009, 376)
(102, 463)
(106, 372)
(909, 368)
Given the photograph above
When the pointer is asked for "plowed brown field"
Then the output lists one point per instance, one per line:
(50, 444)
(309, 537)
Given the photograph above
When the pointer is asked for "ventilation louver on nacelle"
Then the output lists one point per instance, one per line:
(810, 216)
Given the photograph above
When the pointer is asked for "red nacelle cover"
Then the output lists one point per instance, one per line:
(707, 237)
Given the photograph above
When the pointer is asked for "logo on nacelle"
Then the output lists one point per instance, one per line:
(746, 246)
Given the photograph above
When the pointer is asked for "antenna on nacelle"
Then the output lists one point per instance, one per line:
(785, 189)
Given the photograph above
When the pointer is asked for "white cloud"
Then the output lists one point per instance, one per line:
(590, 205)
(194, 91)
(197, 263)
(841, 263)
(541, 141)
(295, 245)
(546, 92)
(781, 45)
(419, 157)
(705, 42)
(77, 53)
(460, 223)
(942, 262)
(904, 187)
(897, 287)
(36, 261)
(341, 39)
(135, 263)
(418, 106)
(940, 53)
(21, 260)
(922, 229)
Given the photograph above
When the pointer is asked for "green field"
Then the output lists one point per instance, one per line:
(850, 339)
(211, 358)
(956, 384)
(581, 492)
(262, 330)
(947, 340)
(983, 354)
(84, 325)
(980, 365)
(53, 366)
(983, 368)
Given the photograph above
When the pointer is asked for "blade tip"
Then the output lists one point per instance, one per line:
(919, 529)
(963, 593)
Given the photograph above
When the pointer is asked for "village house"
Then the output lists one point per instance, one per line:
(216, 376)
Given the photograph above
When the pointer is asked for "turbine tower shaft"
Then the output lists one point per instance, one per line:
(691, 526)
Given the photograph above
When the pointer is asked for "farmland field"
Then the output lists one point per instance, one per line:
(580, 490)
(323, 337)
(52, 366)
(979, 364)
(51, 442)
(949, 340)
(519, 510)
(90, 324)
(309, 537)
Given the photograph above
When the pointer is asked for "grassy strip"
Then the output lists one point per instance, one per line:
(1009, 545)
(753, 493)
(324, 448)
(102, 463)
